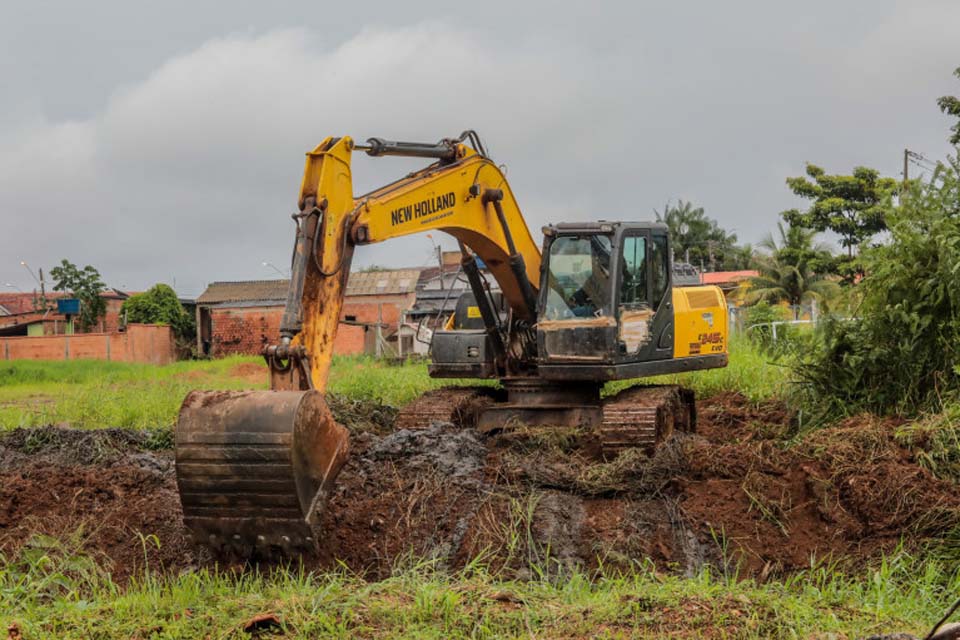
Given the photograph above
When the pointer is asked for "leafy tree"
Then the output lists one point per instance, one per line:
(950, 105)
(160, 305)
(696, 236)
(854, 207)
(903, 354)
(85, 285)
(788, 274)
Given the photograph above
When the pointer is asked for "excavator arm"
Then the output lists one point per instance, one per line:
(463, 193)
(254, 469)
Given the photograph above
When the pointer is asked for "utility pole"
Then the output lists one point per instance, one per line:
(906, 165)
(43, 290)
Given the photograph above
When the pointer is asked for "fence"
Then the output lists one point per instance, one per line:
(148, 343)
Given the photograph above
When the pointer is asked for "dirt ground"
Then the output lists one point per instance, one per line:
(735, 495)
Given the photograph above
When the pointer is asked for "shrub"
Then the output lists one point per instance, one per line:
(901, 354)
(160, 305)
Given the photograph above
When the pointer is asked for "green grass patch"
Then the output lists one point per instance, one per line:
(49, 591)
(751, 371)
(94, 394)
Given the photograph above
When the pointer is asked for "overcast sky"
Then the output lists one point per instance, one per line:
(164, 141)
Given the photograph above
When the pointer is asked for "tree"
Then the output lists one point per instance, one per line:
(950, 105)
(85, 285)
(787, 274)
(696, 237)
(854, 207)
(160, 305)
(903, 353)
(739, 257)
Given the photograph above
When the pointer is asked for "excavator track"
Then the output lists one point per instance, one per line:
(637, 417)
(457, 405)
(645, 416)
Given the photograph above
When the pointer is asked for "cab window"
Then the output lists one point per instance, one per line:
(578, 283)
(633, 284)
(660, 261)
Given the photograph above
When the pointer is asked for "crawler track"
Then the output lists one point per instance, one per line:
(644, 417)
(458, 405)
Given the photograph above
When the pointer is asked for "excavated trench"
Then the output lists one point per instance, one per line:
(733, 496)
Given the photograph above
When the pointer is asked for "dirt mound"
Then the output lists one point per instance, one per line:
(126, 512)
(745, 492)
(66, 446)
(842, 493)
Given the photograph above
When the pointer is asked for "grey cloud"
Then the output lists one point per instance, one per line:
(181, 158)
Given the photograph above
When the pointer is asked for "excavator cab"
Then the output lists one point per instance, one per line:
(603, 296)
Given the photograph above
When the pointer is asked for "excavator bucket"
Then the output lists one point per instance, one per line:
(254, 469)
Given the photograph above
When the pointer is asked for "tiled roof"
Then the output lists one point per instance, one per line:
(393, 281)
(244, 291)
(361, 283)
(718, 277)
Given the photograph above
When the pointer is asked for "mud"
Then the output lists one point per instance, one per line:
(97, 492)
(743, 494)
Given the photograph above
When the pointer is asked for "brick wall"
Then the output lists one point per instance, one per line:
(139, 343)
(245, 330)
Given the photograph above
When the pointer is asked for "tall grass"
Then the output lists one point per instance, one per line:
(53, 592)
(750, 371)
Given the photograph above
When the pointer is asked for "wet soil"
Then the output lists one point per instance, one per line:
(743, 494)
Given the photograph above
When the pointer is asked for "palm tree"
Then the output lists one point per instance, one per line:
(789, 273)
(695, 235)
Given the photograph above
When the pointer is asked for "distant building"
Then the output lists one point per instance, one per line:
(26, 316)
(242, 317)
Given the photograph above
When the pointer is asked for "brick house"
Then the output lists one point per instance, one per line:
(242, 317)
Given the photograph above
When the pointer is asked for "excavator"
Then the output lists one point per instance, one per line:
(597, 303)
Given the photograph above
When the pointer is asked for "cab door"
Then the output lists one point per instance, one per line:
(644, 308)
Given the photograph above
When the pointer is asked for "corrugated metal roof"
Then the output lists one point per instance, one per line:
(361, 283)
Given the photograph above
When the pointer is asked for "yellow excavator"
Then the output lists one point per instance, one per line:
(255, 468)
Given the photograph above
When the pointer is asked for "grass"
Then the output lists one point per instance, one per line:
(750, 372)
(92, 394)
(51, 592)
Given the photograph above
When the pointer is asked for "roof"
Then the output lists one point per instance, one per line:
(245, 291)
(719, 277)
(373, 283)
(21, 319)
(16, 303)
(361, 283)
